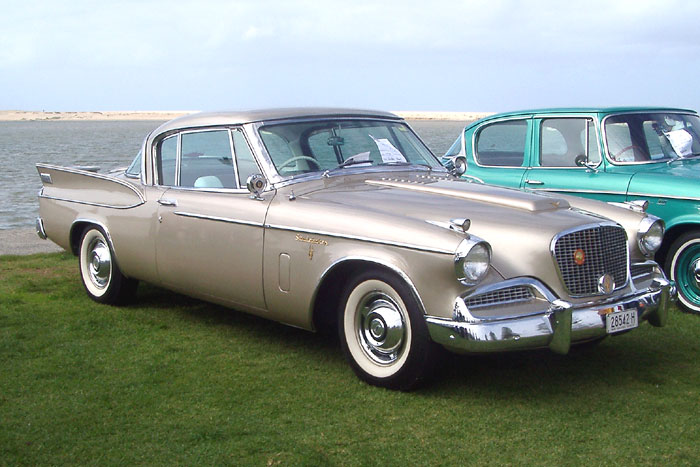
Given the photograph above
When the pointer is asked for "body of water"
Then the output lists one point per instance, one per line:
(105, 144)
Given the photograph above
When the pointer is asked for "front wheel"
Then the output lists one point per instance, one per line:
(683, 266)
(383, 332)
(102, 278)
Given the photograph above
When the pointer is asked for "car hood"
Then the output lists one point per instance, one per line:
(416, 210)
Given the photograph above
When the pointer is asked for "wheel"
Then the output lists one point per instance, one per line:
(101, 276)
(383, 332)
(683, 266)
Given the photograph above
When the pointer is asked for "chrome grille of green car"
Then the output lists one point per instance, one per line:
(585, 256)
(501, 297)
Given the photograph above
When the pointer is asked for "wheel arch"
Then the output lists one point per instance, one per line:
(327, 296)
(78, 228)
(670, 236)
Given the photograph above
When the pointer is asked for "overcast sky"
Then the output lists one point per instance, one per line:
(491, 55)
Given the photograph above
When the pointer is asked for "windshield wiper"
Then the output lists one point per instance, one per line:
(361, 158)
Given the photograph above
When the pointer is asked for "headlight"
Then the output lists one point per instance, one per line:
(472, 260)
(650, 234)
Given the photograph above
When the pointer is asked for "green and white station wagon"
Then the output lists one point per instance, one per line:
(646, 157)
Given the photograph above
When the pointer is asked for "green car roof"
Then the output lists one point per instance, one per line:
(584, 110)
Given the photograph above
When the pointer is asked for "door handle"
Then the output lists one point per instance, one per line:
(534, 182)
(167, 202)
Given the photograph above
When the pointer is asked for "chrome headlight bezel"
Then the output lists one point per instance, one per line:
(650, 235)
(472, 260)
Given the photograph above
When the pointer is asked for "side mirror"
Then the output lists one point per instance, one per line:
(256, 184)
(582, 161)
(456, 165)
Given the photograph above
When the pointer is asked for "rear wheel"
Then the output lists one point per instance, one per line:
(383, 331)
(683, 266)
(101, 276)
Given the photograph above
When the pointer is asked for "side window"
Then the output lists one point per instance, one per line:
(166, 160)
(502, 144)
(568, 142)
(206, 160)
(244, 158)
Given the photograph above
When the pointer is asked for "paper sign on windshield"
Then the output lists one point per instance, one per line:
(682, 142)
(387, 150)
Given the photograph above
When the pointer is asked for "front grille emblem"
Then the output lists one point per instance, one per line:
(579, 257)
(606, 283)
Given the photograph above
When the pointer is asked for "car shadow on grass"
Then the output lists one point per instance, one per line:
(635, 356)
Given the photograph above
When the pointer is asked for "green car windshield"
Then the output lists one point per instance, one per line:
(325, 145)
(652, 137)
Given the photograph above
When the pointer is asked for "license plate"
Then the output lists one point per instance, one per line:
(621, 321)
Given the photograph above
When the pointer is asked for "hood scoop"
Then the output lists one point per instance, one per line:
(481, 193)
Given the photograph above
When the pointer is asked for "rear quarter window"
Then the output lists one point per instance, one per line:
(502, 144)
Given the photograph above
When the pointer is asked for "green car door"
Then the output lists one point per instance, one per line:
(565, 157)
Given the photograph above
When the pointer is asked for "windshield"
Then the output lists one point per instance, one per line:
(651, 137)
(323, 145)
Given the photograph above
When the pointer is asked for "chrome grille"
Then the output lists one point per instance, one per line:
(604, 252)
(501, 297)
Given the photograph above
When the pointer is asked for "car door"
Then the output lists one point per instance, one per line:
(499, 149)
(566, 158)
(210, 230)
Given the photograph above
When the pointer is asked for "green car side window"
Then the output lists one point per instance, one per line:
(502, 144)
(568, 142)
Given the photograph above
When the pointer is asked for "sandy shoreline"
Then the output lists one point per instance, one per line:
(24, 241)
(111, 115)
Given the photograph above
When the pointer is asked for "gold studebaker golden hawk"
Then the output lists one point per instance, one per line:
(316, 217)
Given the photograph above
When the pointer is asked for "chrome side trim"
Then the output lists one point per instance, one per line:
(571, 190)
(94, 175)
(649, 195)
(618, 193)
(360, 238)
(90, 203)
(46, 178)
(217, 219)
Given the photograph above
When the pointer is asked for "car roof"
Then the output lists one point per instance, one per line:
(205, 119)
(575, 110)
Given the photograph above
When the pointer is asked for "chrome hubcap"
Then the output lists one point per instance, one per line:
(695, 268)
(99, 263)
(381, 328)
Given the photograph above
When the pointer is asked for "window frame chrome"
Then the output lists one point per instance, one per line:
(528, 142)
(584, 116)
(604, 133)
(179, 133)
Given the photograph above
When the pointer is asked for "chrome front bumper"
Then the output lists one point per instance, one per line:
(557, 327)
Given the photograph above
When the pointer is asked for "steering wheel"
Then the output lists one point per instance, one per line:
(299, 158)
(625, 149)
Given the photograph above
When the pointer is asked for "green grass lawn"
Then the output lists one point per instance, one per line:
(171, 380)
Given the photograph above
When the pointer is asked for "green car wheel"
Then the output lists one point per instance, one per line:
(683, 265)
